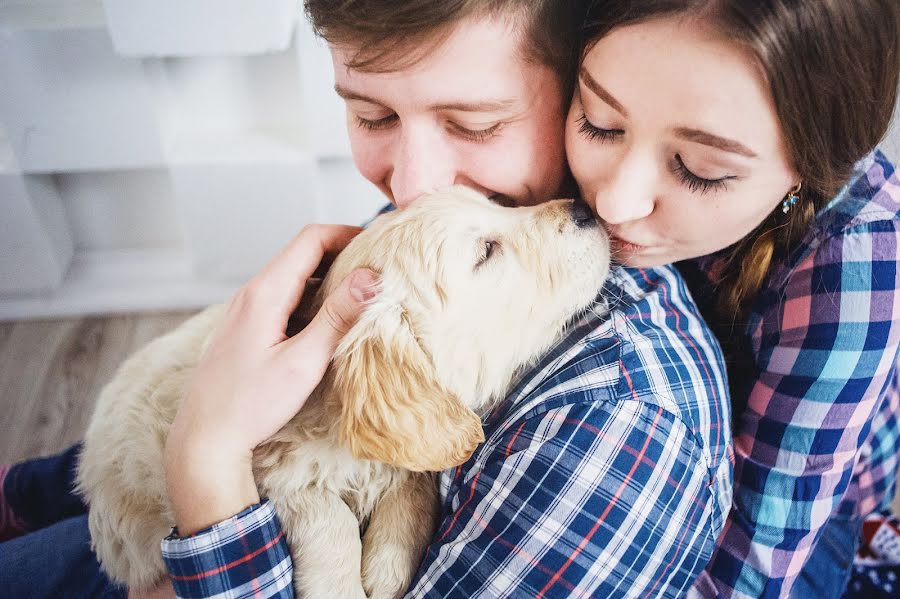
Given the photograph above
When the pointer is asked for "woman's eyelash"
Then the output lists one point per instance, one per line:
(692, 181)
(695, 183)
(595, 133)
(377, 124)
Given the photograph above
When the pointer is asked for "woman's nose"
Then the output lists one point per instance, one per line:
(629, 193)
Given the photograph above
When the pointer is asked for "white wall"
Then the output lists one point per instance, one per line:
(155, 153)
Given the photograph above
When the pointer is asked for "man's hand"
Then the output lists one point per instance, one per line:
(253, 378)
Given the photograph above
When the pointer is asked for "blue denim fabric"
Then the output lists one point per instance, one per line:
(828, 569)
(55, 562)
(41, 491)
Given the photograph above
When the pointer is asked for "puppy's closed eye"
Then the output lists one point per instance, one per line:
(490, 248)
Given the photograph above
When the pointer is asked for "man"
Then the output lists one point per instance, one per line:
(591, 482)
(604, 472)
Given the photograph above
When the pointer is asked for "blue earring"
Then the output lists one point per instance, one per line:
(791, 199)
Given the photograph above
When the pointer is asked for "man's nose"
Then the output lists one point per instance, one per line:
(420, 166)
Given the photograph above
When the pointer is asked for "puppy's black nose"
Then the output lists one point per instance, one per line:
(582, 214)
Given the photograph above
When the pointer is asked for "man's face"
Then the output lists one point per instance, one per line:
(471, 112)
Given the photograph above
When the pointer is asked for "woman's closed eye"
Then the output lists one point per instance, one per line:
(594, 133)
(693, 182)
(696, 183)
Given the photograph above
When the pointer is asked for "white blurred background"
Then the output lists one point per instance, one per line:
(154, 154)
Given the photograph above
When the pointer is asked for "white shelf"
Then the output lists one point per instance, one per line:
(155, 28)
(241, 196)
(237, 147)
(56, 15)
(214, 143)
(119, 281)
(72, 104)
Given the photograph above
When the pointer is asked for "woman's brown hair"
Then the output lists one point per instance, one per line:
(832, 67)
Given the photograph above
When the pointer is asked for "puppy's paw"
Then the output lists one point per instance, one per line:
(386, 573)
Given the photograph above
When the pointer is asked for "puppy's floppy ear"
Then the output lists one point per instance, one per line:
(393, 410)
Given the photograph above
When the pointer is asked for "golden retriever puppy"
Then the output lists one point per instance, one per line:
(471, 293)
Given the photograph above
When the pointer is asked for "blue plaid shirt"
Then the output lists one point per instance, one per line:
(606, 472)
(817, 393)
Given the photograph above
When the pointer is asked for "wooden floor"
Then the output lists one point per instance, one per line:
(51, 372)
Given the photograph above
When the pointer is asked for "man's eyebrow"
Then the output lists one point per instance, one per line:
(476, 106)
(497, 105)
(351, 95)
(604, 95)
(708, 139)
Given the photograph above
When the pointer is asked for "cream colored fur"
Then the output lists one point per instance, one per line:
(432, 352)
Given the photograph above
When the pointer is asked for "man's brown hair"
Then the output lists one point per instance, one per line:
(389, 35)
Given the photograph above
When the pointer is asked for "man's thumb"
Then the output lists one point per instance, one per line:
(339, 311)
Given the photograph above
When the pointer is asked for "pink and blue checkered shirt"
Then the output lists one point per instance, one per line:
(813, 376)
(606, 472)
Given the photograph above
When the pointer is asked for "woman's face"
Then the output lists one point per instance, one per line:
(674, 141)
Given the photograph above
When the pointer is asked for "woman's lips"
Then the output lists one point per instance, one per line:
(624, 244)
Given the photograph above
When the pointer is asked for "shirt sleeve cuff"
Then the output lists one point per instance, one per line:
(246, 555)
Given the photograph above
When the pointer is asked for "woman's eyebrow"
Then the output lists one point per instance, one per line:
(604, 95)
(695, 135)
(715, 141)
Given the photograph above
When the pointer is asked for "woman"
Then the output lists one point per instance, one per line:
(736, 136)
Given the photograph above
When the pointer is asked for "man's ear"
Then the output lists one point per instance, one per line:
(393, 409)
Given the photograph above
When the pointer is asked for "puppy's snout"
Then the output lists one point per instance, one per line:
(582, 214)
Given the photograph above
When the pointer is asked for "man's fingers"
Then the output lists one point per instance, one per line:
(300, 258)
(317, 342)
(267, 301)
